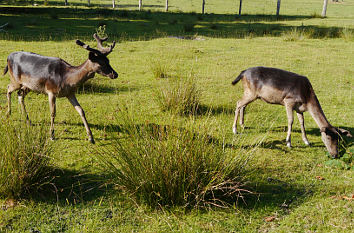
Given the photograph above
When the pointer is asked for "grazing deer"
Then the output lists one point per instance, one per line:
(55, 77)
(295, 92)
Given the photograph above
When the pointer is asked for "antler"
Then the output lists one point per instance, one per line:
(103, 50)
(85, 46)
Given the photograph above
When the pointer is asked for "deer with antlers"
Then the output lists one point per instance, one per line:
(56, 78)
(295, 92)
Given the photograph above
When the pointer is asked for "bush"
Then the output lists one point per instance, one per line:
(23, 158)
(162, 165)
(179, 95)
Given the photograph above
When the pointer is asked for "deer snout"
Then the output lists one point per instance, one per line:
(333, 152)
(113, 75)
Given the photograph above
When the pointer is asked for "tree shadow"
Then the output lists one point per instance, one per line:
(57, 24)
(92, 5)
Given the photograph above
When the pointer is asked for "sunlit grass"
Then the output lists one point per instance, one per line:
(25, 158)
(165, 165)
(179, 95)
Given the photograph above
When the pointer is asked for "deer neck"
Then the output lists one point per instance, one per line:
(317, 113)
(80, 74)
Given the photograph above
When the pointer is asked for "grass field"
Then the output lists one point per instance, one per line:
(294, 190)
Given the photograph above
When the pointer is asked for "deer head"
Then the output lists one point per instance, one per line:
(331, 137)
(98, 58)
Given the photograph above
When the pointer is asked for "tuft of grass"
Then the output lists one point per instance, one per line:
(24, 158)
(316, 15)
(163, 165)
(180, 95)
(347, 34)
(300, 33)
(294, 34)
(334, 32)
(158, 69)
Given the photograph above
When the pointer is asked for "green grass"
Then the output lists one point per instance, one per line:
(179, 95)
(24, 160)
(168, 165)
(216, 50)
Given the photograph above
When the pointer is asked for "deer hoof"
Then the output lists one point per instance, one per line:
(234, 130)
(91, 140)
(288, 144)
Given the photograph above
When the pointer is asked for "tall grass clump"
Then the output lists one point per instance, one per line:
(24, 158)
(316, 15)
(347, 34)
(162, 165)
(158, 69)
(295, 34)
(180, 95)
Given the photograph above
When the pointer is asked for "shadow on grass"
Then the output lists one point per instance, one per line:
(270, 192)
(214, 110)
(76, 187)
(56, 24)
(77, 4)
(274, 193)
(71, 187)
(92, 87)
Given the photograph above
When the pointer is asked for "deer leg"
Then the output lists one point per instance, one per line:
(289, 113)
(81, 112)
(300, 116)
(10, 88)
(242, 116)
(241, 104)
(53, 110)
(21, 99)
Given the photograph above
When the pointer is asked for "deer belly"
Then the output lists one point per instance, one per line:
(32, 84)
(271, 95)
(41, 85)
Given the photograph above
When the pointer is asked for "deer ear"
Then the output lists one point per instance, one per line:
(332, 132)
(92, 56)
(344, 132)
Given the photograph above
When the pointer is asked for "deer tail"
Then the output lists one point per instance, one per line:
(239, 77)
(6, 69)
